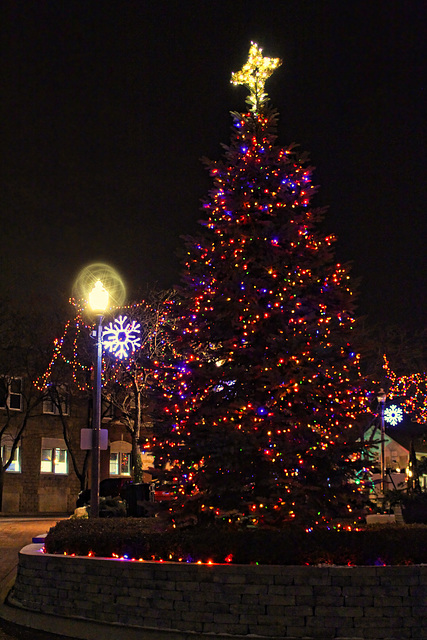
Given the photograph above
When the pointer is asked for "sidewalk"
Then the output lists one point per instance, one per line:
(16, 532)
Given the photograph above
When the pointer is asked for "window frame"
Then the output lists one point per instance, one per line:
(8, 384)
(56, 447)
(50, 408)
(6, 448)
(119, 464)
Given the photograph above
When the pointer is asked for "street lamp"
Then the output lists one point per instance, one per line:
(98, 302)
(381, 397)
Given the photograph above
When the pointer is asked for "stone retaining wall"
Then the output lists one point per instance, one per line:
(267, 601)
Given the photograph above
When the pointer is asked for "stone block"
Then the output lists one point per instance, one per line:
(277, 600)
(296, 611)
(267, 631)
(164, 604)
(216, 607)
(394, 590)
(84, 606)
(204, 617)
(341, 581)
(319, 589)
(187, 586)
(299, 590)
(378, 633)
(307, 601)
(248, 618)
(263, 580)
(319, 579)
(374, 612)
(329, 632)
(352, 590)
(234, 579)
(164, 623)
(383, 623)
(225, 618)
(329, 601)
(151, 613)
(359, 601)
(339, 612)
(210, 587)
(366, 581)
(228, 598)
(261, 589)
(387, 601)
(286, 580)
(396, 612)
(275, 589)
(127, 601)
(250, 599)
(329, 621)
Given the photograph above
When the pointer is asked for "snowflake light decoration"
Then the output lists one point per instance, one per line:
(121, 337)
(393, 415)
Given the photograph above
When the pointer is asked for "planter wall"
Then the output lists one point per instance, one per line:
(238, 600)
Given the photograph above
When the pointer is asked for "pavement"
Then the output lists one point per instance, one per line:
(15, 533)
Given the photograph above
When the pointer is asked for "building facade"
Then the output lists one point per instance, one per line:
(49, 468)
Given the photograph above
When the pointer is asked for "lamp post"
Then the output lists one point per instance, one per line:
(381, 397)
(98, 302)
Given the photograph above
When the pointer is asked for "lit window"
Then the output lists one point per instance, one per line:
(11, 394)
(54, 457)
(51, 403)
(15, 465)
(120, 464)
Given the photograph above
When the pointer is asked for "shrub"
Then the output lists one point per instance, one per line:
(143, 538)
(414, 508)
(111, 507)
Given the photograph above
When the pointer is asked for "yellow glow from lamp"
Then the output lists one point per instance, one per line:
(98, 297)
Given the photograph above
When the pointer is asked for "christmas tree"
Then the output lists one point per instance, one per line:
(269, 387)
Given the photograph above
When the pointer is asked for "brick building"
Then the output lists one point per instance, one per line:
(42, 476)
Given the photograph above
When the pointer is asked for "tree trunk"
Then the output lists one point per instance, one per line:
(136, 456)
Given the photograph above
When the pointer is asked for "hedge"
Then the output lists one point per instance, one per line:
(141, 539)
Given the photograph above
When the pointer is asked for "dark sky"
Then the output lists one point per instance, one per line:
(107, 108)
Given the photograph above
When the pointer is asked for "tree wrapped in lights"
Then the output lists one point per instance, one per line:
(269, 388)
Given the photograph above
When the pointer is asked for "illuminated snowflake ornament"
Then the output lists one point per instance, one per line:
(121, 337)
(393, 415)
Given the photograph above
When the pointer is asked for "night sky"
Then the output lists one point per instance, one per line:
(107, 108)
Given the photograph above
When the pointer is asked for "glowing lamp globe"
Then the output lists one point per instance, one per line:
(98, 297)
(87, 282)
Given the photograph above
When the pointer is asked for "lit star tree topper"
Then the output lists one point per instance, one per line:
(121, 337)
(254, 74)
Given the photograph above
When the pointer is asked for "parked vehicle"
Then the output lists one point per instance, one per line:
(110, 487)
